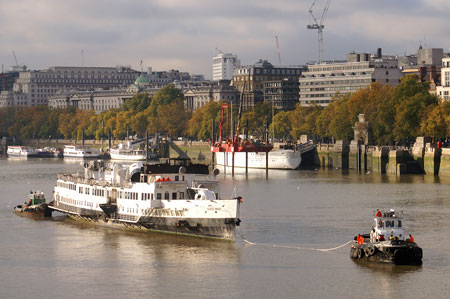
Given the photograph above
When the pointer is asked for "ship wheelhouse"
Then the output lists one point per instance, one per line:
(387, 226)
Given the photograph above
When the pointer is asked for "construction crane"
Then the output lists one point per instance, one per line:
(278, 49)
(318, 25)
(17, 67)
(218, 50)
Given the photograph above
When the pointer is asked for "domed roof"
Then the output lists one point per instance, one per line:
(141, 80)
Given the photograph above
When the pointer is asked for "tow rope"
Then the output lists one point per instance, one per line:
(293, 247)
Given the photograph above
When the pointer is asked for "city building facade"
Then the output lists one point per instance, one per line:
(224, 66)
(251, 79)
(443, 91)
(199, 96)
(100, 100)
(321, 82)
(33, 88)
(282, 94)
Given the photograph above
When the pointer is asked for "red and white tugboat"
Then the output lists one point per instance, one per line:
(386, 243)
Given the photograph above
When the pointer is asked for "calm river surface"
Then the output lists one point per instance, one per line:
(307, 208)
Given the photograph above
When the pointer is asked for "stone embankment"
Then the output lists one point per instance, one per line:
(423, 158)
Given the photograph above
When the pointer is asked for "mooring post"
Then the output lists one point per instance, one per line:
(212, 143)
(146, 145)
(109, 139)
(246, 165)
(82, 137)
(232, 164)
(225, 162)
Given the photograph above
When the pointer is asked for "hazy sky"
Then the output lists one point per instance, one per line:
(184, 34)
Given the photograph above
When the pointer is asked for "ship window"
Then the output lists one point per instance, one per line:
(177, 178)
(158, 196)
(174, 195)
(181, 195)
(399, 223)
(152, 196)
(166, 195)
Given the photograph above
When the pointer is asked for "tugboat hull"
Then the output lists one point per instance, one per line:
(404, 253)
(39, 211)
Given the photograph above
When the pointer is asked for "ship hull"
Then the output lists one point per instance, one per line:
(283, 159)
(216, 228)
(401, 254)
(38, 211)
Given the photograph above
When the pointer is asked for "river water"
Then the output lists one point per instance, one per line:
(289, 211)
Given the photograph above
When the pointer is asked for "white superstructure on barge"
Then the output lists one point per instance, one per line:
(175, 197)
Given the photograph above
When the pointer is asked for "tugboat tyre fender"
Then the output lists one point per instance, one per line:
(371, 250)
(366, 252)
(397, 253)
(360, 253)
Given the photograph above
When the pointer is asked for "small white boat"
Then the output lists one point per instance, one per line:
(80, 151)
(21, 151)
(125, 151)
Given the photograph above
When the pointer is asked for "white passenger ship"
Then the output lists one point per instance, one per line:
(80, 151)
(125, 151)
(175, 197)
(278, 159)
(21, 151)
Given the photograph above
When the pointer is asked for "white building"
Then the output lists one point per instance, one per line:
(199, 96)
(224, 65)
(35, 87)
(100, 100)
(444, 90)
(322, 81)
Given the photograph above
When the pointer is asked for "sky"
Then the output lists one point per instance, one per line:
(186, 34)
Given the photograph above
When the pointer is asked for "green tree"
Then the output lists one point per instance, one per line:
(282, 124)
(413, 101)
(200, 125)
(436, 122)
(138, 103)
(165, 96)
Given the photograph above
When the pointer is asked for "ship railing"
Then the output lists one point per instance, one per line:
(83, 180)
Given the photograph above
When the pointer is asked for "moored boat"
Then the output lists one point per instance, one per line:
(125, 151)
(53, 152)
(174, 197)
(386, 243)
(80, 151)
(278, 159)
(34, 206)
(21, 151)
